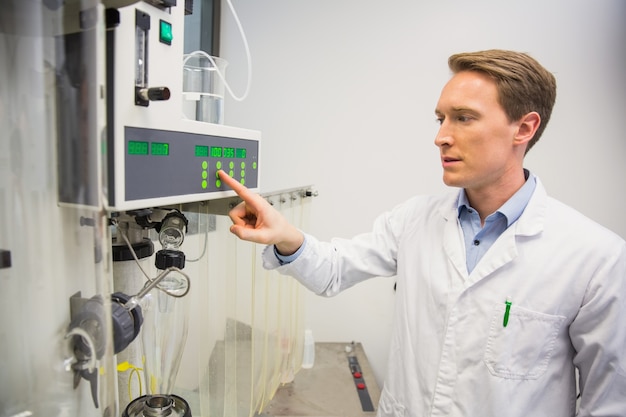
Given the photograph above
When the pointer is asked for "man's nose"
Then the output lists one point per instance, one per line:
(444, 136)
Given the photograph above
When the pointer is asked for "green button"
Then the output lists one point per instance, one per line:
(218, 165)
(218, 183)
(243, 173)
(242, 181)
(204, 184)
(231, 165)
(231, 173)
(204, 174)
(243, 165)
(254, 165)
(165, 32)
(205, 164)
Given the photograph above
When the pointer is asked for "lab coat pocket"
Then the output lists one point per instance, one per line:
(523, 348)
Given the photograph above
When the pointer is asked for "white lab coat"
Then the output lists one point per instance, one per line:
(450, 354)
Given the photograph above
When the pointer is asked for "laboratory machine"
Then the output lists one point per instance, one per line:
(124, 294)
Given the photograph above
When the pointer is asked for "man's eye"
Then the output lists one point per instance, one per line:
(463, 118)
(439, 120)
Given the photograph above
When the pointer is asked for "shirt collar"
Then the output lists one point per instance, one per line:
(513, 208)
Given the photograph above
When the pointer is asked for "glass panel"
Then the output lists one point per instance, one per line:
(51, 222)
(246, 324)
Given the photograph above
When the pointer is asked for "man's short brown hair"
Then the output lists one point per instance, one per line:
(523, 84)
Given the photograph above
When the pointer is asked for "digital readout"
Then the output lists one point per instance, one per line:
(160, 149)
(216, 151)
(137, 148)
(229, 152)
(220, 152)
(202, 151)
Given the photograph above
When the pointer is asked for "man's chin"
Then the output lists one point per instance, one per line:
(452, 182)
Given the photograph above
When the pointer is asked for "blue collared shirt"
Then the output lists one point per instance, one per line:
(478, 239)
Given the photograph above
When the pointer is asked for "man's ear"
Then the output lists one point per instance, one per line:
(528, 125)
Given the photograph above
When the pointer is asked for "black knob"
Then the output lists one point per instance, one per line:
(126, 324)
(145, 95)
(158, 93)
(5, 258)
(167, 257)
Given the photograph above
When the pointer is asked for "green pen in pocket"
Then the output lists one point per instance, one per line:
(507, 311)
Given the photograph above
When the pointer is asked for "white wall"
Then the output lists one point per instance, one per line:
(344, 92)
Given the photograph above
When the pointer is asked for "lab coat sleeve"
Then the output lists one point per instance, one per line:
(327, 268)
(598, 334)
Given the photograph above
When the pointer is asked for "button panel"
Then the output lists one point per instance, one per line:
(359, 383)
(190, 164)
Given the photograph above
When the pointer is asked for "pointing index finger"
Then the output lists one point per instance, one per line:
(237, 187)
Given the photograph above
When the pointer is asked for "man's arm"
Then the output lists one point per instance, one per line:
(255, 220)
(599, 337)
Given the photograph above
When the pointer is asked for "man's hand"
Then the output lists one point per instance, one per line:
(255, 220)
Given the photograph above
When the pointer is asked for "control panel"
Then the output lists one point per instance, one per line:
(177, 162)
(161, 163)
(359, 382)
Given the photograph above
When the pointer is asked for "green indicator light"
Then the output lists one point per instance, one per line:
(205, 164)
(160, 149)
(240, 153)
(137, 148)
(243, 165)
(218, 183)
(231, 165)
(254, 165)
(216, 152)
(204, 184)
(202, 151)
(165, 32)
(218, 165)
(229, 152)
(204, 174)
(243, 173)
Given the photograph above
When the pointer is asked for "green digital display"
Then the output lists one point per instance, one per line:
(137, 148)
(202, 151)
(216, 152)
(240, 153)
(229, 152)
(160, 149)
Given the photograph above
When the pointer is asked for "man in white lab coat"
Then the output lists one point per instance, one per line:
(502, 292)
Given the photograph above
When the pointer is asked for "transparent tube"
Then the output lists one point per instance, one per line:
(164, 333)
(172, 232)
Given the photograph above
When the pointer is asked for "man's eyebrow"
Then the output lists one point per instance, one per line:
(460, 109)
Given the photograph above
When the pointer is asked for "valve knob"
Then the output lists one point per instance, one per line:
(144, 95)
(155, 93)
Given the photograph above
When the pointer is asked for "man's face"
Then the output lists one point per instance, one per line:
(475, 137)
